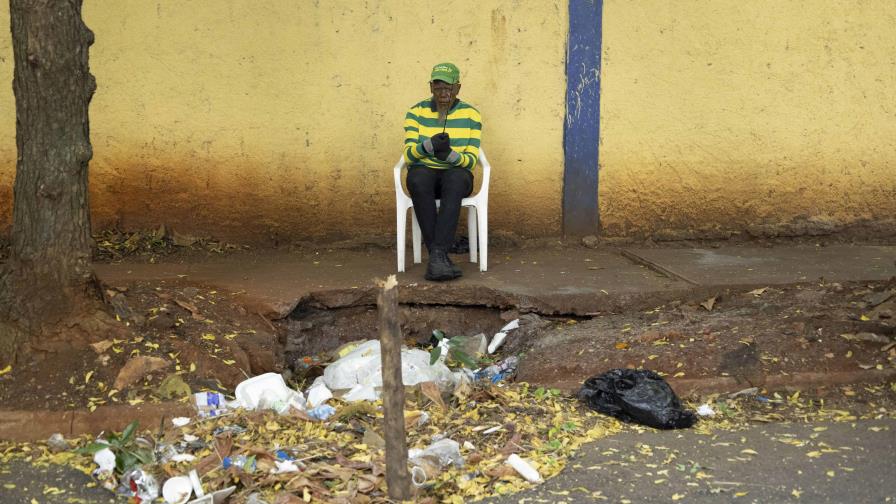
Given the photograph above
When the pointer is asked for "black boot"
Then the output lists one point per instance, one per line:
(439, 269)
(454, 268)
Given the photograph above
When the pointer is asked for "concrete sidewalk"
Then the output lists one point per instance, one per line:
(556, 279)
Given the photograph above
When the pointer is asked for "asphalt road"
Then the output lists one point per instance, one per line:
(766, 463)
(20, 482)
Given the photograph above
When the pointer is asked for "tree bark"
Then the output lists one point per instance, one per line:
(48, 277)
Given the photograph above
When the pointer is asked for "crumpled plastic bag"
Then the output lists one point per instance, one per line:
(361, 370)
(636, 395)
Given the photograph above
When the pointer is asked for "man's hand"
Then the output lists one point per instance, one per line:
(441, 144)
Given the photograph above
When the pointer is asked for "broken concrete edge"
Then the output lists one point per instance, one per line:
(38, 425)
(689, 387)
(575, 305)
(272, 308)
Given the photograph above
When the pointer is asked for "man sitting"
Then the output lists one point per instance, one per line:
(442, 136)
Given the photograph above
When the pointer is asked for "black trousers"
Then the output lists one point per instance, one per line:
(427, 185)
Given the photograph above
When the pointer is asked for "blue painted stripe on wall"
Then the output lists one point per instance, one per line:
(581, 128)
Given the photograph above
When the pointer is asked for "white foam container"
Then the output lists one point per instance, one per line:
(249, 392)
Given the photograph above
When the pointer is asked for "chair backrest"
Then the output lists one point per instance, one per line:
(483, 189)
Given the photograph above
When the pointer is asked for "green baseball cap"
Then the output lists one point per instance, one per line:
(446, 72)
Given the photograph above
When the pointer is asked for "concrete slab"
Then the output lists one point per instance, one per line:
(573, 280)
(777, 265)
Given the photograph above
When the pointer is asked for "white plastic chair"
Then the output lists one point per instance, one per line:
(477, 218)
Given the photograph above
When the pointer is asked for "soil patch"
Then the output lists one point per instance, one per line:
(745, 335)
(204, 336)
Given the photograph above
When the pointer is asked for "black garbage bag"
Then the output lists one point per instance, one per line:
(636, 395)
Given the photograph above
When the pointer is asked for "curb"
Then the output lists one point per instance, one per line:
(38, 425)
(684, 387)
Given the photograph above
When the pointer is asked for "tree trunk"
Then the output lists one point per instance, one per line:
(48, 278)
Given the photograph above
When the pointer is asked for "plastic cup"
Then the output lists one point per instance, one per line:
(177, 490)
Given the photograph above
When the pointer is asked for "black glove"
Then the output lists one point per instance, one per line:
(441, 145)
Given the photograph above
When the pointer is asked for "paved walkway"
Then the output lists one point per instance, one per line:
(782, 462)
(554, 279)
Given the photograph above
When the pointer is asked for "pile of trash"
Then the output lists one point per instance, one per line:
(471, 433)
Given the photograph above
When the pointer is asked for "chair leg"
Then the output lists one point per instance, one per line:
(401, 216)
(417, 236)
(471, 232)
(482, 213)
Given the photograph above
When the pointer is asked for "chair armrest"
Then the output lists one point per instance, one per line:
(486, 174)
(399, 191)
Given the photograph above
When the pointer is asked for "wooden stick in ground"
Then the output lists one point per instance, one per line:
(398, 480)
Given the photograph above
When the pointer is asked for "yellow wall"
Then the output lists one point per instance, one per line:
(759, 116)
(282, 119)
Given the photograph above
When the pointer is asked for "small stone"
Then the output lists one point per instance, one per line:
(101, 346)
(137, 368)
(163, 321)
(836, 287)
(190, 292)
(57, 443)
(885, 314)
(591, 241)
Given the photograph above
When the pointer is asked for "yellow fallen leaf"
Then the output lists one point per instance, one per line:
(192, 367)
(9, 486)
(87, 376)
(229, 362)
(813, 454)
(749, 452)
(796, 493)
(830, 474)
(5, 370)
(864, 318)
(741, 494)
(677, 496)
(208, 336)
